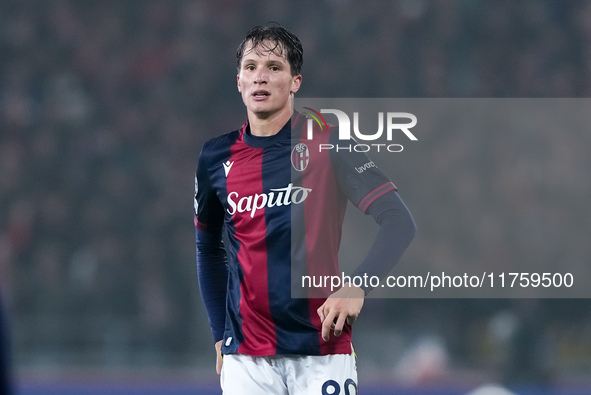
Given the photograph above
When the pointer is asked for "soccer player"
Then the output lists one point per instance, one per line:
(262, 186)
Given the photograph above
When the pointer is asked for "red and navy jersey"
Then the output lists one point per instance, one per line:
(276, 200)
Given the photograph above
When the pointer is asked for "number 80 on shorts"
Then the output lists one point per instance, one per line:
(331, 387)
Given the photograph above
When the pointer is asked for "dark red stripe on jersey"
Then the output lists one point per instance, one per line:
(257, 325)
(242, 130)
(324, 213)
(200, 225)
(376, 193)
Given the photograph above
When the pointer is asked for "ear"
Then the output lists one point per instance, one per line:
(296, 82)
(238, 83)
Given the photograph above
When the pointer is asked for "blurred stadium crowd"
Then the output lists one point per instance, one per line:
(104, 106)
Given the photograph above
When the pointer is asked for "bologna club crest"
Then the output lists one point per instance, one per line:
(300, 156)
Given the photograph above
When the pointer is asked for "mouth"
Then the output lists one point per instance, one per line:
(260, 94)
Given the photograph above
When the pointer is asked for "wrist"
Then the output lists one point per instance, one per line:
(360, 292)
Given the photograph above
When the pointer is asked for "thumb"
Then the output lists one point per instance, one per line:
(320, 312)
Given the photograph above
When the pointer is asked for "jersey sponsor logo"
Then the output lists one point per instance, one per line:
(300, 157)
(366, 166)
(276, 197)
(227, 167)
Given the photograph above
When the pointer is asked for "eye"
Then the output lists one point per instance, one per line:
(249, 67)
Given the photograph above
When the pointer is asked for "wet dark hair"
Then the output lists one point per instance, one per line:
(281, 40)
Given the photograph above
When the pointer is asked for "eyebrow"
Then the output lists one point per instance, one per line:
(281, 61)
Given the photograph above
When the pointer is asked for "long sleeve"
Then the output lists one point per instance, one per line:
(212, 268)
(212, 271)
(397, 229)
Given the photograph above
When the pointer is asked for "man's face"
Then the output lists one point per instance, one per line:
(265, 81)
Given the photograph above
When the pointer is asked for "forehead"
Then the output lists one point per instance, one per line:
(265, 49)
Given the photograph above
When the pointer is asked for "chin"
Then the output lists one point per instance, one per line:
(263, 111)
(263, 114)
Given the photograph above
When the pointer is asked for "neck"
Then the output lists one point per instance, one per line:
(265, 126)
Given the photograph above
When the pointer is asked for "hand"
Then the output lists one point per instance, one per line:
(342, 306)
(219, 361)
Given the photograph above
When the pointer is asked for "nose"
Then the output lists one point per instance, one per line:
(261, 77)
